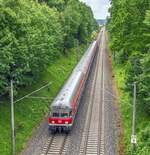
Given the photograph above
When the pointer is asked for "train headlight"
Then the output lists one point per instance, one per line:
(53, 122)
(59, 121)
(66, 122)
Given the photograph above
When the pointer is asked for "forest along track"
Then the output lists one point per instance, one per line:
(93, 134)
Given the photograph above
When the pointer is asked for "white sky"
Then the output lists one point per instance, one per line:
(99, 7)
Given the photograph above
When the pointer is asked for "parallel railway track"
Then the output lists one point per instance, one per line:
(92, 139)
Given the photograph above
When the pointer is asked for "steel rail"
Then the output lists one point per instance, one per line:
(47, 145)
(101, 117)
(51, 147)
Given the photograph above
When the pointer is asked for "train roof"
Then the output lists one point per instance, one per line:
(64, 97)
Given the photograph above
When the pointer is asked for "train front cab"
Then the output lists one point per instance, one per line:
(60, 121)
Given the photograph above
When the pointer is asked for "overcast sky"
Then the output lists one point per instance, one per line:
(99, 7)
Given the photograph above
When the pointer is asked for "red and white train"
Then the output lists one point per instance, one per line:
(65, 105)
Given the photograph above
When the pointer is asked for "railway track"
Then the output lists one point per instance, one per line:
(93, 136)
(57, 144)
(87, 134)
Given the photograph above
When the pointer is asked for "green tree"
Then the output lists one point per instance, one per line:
(34, 33)
(30, 39)
(129, 26)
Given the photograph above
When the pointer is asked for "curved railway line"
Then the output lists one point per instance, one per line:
(92, 138)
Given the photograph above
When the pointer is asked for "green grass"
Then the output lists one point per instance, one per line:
(29, 112)
(142, 122)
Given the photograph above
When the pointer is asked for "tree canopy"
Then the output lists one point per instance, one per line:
(129, 27)
(33, 34)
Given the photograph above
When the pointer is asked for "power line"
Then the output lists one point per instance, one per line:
(33, 92)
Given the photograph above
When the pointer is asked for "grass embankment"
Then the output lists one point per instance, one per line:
(29, 112)
(143, 143)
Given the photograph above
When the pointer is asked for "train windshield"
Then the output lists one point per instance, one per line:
(55, 114)
(64, 115)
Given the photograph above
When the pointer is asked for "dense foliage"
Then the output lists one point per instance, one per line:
(129, 32)
(33, 34)
(77, 21)
(129, 27)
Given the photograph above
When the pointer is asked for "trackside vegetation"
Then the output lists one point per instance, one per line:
(38, 44)
(129, 35)
(29, 112)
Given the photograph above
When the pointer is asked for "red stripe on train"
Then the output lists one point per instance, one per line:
(56, 120)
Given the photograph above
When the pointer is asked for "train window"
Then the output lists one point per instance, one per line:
(64, 115)
(55, 114)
